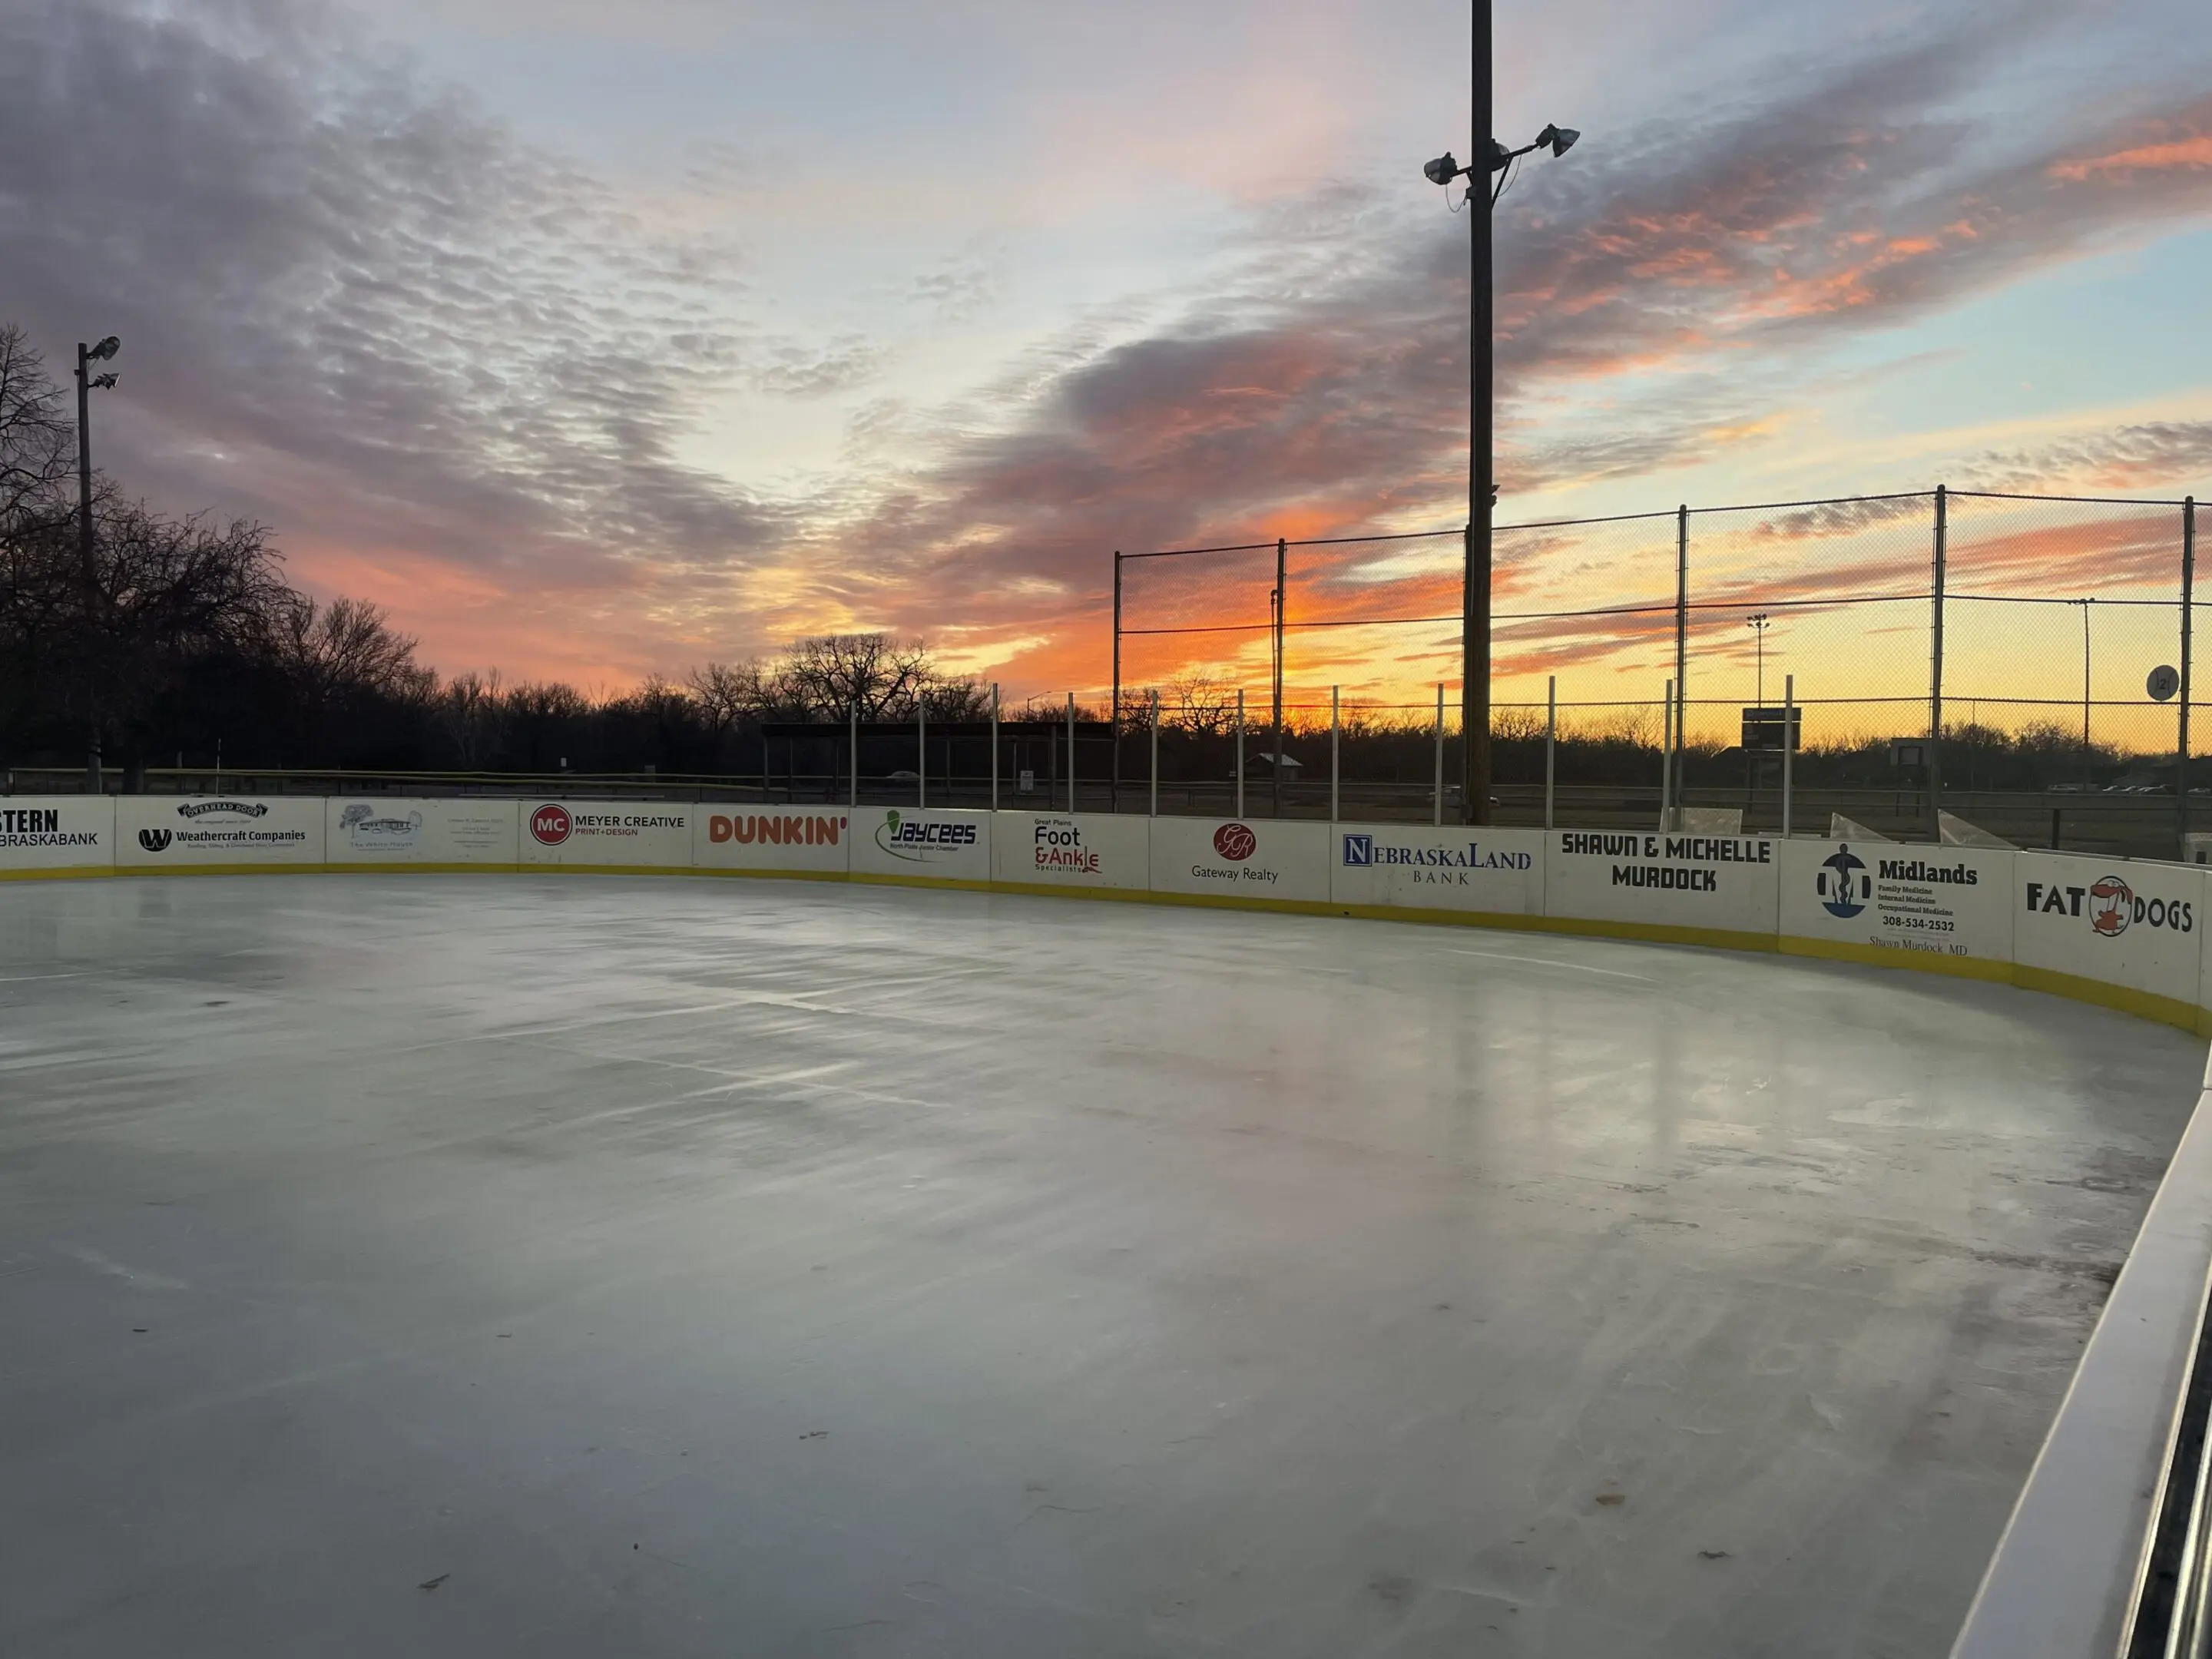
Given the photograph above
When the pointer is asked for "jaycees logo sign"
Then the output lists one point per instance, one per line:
(923, 842)
(2109, 906)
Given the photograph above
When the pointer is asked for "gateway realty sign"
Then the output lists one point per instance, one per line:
(1268, 860)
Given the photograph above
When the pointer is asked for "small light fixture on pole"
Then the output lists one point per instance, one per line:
(1758, 621)
(86, 384)
(1482, 487)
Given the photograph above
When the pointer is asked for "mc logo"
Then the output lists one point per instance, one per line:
(549, 825)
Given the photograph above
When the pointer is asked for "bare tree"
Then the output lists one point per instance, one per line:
(36, 439)
(1198, 704)
(870, 677)
(345, 646)
(727, 694)
(470, 714)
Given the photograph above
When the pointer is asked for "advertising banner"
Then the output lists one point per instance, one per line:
(921, 842)
(1935, 901)
(1421, 867)
(616, 834)
(57, 832)
(1245, 859)
(1083, 849)
(1728, 883)
(2121, 921)
(736, 837)
(389, 829)
(159, 831)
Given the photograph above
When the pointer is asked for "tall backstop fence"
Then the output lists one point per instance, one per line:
(1933, 650)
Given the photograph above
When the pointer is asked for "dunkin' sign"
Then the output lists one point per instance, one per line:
(776, 829)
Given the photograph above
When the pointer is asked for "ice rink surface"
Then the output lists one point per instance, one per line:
(591, 1267)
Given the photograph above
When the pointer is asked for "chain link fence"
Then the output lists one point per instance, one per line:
(1987, 656)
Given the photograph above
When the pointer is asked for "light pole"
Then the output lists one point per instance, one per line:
(1757, 623)
(86, 384)
(1481, 486)
(2085, 604)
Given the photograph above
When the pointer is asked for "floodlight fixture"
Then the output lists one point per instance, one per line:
(106, 349)
(105, 382)
(1496, 172)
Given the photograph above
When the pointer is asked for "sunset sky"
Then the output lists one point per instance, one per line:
(597, 338)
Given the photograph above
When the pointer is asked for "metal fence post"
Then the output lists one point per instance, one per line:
(1681, 658)
(1789, 744)
(1335, 748)
(1240, 751)
(1114, 716)
(2188, 627)
(1440, 756)
(1282, 605)
(853, 740)
(994, 745)
(1551, 742)
(1666, 759)
(1936, 669)
(1070, 754)
(921, 745)
(1154, 810)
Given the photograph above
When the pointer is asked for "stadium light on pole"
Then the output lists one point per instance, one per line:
(1482, 487)
(86, 384)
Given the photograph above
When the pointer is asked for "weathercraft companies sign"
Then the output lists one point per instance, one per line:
(1498, 872)
(921, 842)
(391, 830)
(55, 832)
(772, 838)
(1079, 849)
(1261, 858)
(1726, 882)
(2127, 922)
(1937, 901)
(154, 830)
(649, 833)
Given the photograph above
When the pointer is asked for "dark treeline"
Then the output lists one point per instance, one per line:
(179, 635)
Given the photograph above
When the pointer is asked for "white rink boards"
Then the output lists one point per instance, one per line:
(56, 833)
(2129, 932)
